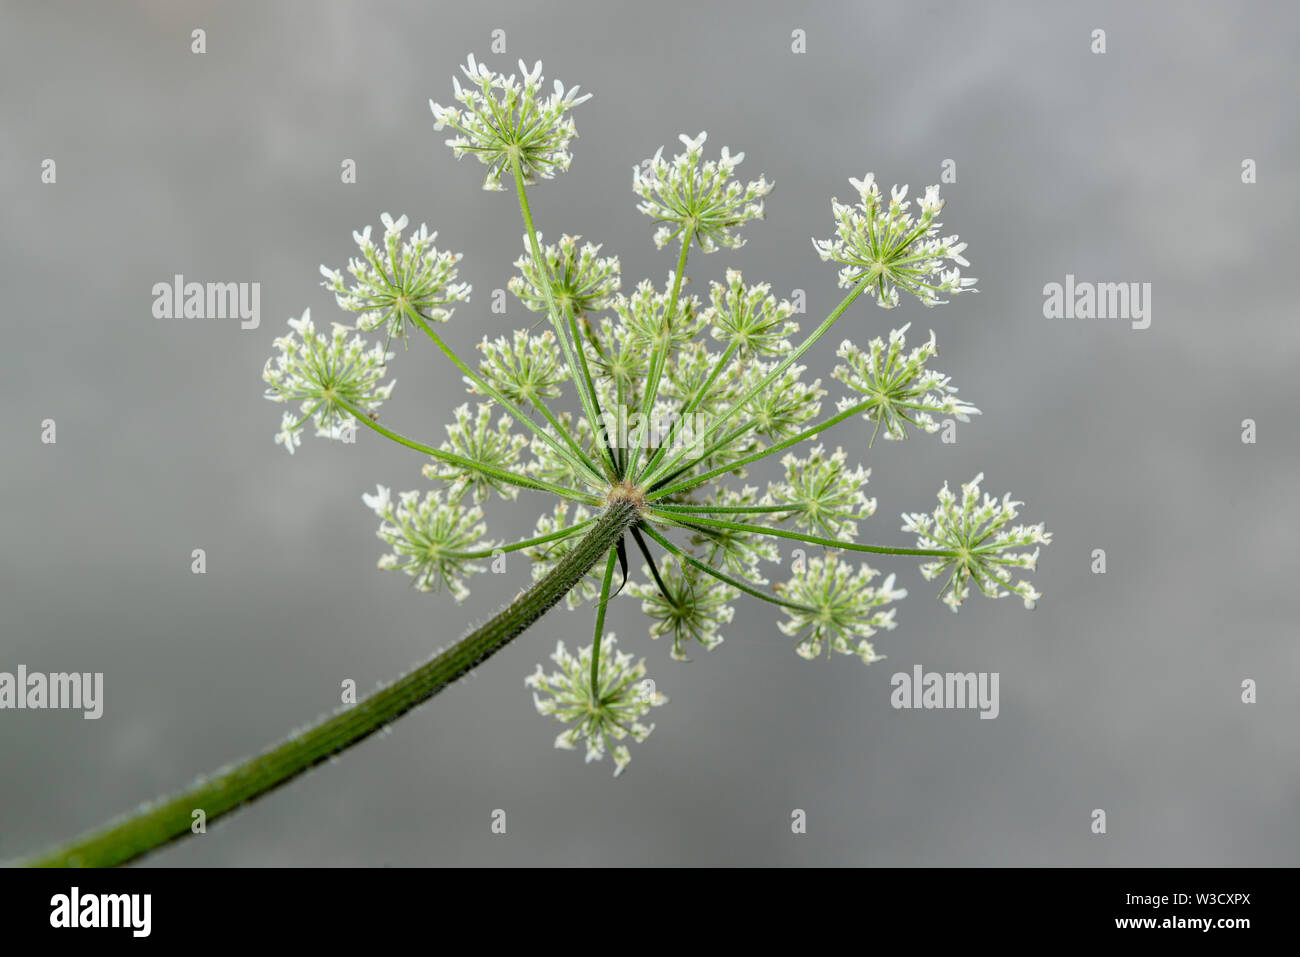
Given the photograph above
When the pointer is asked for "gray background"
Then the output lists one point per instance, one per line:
(1120, 692)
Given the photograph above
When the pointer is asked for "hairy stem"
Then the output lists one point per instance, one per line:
(170, 819)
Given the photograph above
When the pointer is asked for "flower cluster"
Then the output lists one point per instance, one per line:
(639, 414)
(838, 607)
(526, 369)
(697, 196)
(581, 281)
(603, 715)
(787, 405)
(651, 320)
(748, 318)
(328, 375)
(899, 390)
(885, 247)
(823, 495)
(433, 539)
(493, 448)
(737, 550)
(982, 547)
(505, 117)
(396, 278)
(686, 605)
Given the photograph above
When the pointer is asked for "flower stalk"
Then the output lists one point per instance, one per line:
(170, 819)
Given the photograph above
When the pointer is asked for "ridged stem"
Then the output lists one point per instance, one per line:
(170, 819)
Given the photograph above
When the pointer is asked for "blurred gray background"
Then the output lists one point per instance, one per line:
(1121, 691)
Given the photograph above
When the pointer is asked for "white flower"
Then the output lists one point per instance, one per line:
(749, 317)
(581, 281)
(786, 406)
(825, 497)
(475, 438)
(505, 117)
(397, 277)
(526, 369)
(700, 196)
(985, 548)
(605, 715)
(327, 376)
(686, 604)
(839, 607)
(649, 320)
(887, 247)
(900, 389)
(433, 540)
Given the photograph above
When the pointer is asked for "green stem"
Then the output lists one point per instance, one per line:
(588, 398)
(170, 819)
(600, 625)
(660, 356)
(591, 387)
(581, 463)
(665, 513)
(525, 543)
(753, 457)
(721, 576)
(451, 458)
(693, 404)
(731, 509)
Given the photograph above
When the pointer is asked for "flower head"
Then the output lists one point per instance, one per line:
(886, 246)
(501, 117)
(839, 607)
(694, 374)
(526, 369)
(602, 717)
(616, 357)
(986, 549)
(581, 280)
(397, 277)
(787, 405)
(692, 194)
(825, 496)
(475, 438)
(433, 539)
(650, 320)
(686, 604)
(899, 388)
(632, 420)
(328, 375)
(749, 317)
